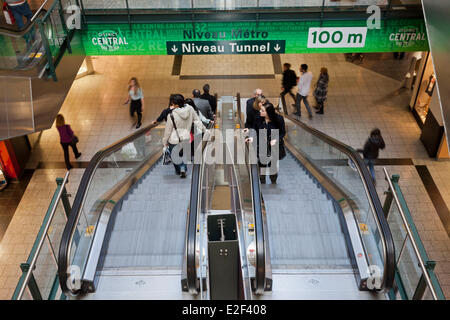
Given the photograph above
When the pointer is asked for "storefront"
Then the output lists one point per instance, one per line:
(425, 106)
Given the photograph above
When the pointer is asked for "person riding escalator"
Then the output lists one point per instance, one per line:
(266, 125)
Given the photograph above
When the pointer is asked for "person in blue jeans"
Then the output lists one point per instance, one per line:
(20, 9)
(371, 150)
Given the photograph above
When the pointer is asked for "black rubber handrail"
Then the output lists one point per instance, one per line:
(260, 275)
(191, 228)
(385, 232)
(191, 231)
(72, 221)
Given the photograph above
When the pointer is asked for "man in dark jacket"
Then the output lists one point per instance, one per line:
(251, 113)
(164, 114)
(202, 105)
(211, 99)
(371, 149)
(289, 81)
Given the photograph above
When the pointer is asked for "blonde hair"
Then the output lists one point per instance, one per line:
(60, 120)
(137, 86)
(258, 100)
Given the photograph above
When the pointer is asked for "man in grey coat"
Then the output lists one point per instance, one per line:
(202, 105)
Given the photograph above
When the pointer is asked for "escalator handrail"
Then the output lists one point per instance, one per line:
(374, 200)
(260, 275)
(191, 228)
(75, 213)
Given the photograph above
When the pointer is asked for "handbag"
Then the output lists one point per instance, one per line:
(167, 159)
(9, 17)
(74, 138)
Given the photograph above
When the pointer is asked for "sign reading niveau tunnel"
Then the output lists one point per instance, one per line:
(264, 37)
(225, 47)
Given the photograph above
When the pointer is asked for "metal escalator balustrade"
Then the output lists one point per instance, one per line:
(110, 173)
(251, 193)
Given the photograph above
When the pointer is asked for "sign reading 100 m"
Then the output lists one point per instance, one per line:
(254, 38)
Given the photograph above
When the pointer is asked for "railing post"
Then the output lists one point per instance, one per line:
(48, 51)
(32, 285)
(422, 285)
(64, 25)
(64, 197)
(389, 196)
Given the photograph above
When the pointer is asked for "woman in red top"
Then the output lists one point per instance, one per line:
(67, 138)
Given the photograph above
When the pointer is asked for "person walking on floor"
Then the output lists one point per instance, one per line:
(20, 9)
(304, 86)
(67, 138)
(371, 150)
(178, 129)
(251, 113)
(320, 93)
(137, 100)
(202, 105)
(289, 81)
(269, 121)
(211, 99)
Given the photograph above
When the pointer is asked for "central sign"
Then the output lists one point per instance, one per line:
(263, 37)
(225, 47)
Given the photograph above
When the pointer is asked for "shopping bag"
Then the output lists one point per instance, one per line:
(9, 17)
(129, 151)
(167, 159)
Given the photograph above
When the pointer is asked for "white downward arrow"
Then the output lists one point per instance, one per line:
(277, 47)
(174, 48)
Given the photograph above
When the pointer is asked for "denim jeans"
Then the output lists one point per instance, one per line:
(178, 167)
(305, 101)
(371, 164)
(20, 11)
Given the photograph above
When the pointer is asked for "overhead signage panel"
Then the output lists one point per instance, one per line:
(225, 47)
(254, 38)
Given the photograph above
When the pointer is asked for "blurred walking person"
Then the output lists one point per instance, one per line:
(178, 130)
(20, 9)
(371, 150)
(67, 138)
(137, 100)
(321, 91)
(304, 85)
(289, 81)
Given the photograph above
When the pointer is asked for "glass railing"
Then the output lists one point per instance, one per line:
(217, 5)
(345, 168)
(42, 40)
(39, 280)
(414, 278)
(110, 168)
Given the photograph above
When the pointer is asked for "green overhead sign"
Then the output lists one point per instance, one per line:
(254, 38)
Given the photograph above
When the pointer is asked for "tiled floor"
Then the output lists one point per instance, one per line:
(360, 98)
(10, 198)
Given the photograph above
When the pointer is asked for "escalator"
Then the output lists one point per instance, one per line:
(38, 65)
(125, 236)
(323, 224)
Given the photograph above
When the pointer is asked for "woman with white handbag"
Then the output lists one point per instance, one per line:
(178, 131)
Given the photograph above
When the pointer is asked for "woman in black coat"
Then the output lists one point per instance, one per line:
(270, 121)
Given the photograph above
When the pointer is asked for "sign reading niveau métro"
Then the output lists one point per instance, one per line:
(225, 47)
(264, 37)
